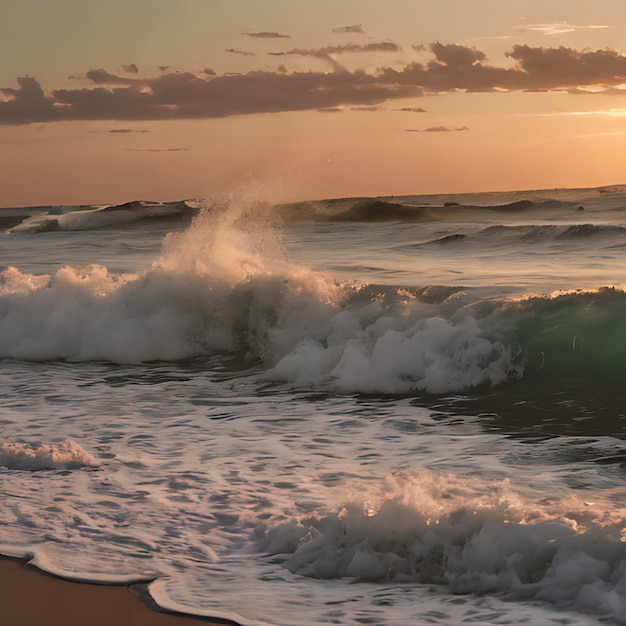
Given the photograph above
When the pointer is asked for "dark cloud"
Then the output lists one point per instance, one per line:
(357, 28)
(158, 149)
(266, 35)
(381, 46)
(565, 67)
(182, 95)
(436, 129)
(131, 69)
(127, 130)
(245, 53)
(457, 55)
(461, 67)
(327, 53)
(412, 109)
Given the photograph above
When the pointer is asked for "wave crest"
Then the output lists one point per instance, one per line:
(470, 536)
(65, 455)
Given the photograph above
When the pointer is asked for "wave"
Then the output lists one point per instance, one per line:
(528, 234)
(50, 219)
(223, 288)
(25, 456)
(470, 537)
(374, 210)
(408, 209)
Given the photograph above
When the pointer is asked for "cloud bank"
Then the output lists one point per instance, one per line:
(185, 95)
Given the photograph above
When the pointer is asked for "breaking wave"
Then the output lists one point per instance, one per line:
(472, 537)
(225, 287)
(24, 456)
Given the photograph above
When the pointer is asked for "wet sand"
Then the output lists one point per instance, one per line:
(29, 597)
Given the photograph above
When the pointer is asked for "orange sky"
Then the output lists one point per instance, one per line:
(151, 100)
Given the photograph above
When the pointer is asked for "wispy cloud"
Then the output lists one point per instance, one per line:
(158, 149)
(601, 112)
(412, 110)
(245, 53)
(329, 52)
(436, 129)
(126, 131)
(357, 28)
(557, 28)
(266, 35)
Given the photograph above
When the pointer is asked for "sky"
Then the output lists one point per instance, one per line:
(169, 99)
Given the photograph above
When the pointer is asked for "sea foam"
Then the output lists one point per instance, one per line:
(24, 456)
(472, 537)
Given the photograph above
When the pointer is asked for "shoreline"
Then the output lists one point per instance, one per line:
(31, 596)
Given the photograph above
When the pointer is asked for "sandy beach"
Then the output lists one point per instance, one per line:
(28, 597)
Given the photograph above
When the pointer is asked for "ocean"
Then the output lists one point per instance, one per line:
(385, 411)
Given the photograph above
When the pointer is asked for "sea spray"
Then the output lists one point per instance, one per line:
(222, 285)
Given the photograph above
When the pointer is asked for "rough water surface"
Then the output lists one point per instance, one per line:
(389, 411)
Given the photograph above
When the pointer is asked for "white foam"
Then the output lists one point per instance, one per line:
(396, 354)
(470, 537)
(24, 456)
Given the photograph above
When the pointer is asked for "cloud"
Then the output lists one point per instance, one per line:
(603, 112)
(557, 28)
(245, 53)
(357, 28)
(537, 69)
(412, 109)
(367, 109)
(457, 55)
(382, 46)
(158, 149)
(131, 69)
(266, 35)
(128, 130)
(436, 129)
(328, 52)
(551, 68)
(185, 95)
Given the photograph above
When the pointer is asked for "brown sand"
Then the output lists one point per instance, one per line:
(30, 598)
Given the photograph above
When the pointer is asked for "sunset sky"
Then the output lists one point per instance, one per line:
(163, 99)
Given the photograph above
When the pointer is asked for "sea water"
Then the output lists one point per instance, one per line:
(359, 411)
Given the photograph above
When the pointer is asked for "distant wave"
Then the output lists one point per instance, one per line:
(373, 210)
(50, 219)
(527, 234)
(341, 210)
